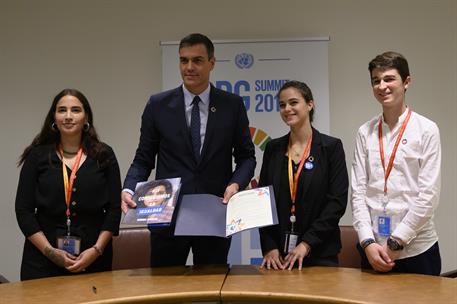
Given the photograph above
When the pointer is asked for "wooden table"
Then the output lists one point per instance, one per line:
(334, 285)
(241, 284)
(158, 285)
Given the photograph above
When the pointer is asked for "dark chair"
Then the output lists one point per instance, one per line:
(450, 274)
(131, 249)
(3, 279)
(349, 256)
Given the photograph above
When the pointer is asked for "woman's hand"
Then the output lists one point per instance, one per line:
(299, 253)
(59, 257)
(273, 259)
(84, 260)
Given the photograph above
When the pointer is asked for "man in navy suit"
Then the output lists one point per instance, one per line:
(194, 131)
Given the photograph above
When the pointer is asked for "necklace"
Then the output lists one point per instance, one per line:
(70, 153)
(296, 153)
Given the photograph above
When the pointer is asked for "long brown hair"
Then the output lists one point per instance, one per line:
(49, 135)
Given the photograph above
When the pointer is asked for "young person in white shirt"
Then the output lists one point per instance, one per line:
(396, 178)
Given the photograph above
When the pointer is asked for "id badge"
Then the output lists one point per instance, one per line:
(384, 225)
(70, 244)
(290, 242)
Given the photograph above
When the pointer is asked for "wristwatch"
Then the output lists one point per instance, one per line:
(394, 245)
(366, 243)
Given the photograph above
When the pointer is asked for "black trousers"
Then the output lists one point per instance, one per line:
(173, 250)
(428, 262)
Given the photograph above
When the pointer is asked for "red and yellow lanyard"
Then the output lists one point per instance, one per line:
(394, 151)
(68, 183)
(293, 180)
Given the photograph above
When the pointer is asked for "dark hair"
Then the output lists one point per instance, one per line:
(197, 38)
(304, 90)
(390, 60)
(144, 189)
(49, 135)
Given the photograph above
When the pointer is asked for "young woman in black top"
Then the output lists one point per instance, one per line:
(67, 202)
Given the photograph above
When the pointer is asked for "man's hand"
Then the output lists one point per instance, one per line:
(126, 201)
(230, 191)
(393, 255)
(379, 258)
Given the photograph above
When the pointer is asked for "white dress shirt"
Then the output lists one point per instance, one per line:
(413, 187)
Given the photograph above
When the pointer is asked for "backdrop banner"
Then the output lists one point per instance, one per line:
(255, 70)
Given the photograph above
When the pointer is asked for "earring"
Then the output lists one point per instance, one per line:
(54, 127)
(86, 127)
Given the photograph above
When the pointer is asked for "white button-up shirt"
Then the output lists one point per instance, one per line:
(413, 187)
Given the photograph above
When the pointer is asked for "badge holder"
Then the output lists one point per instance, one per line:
(291, 237)
(71, 244)
(384, 225)
(384, 221)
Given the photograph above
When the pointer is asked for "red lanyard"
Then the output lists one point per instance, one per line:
(293, 181)
(394, 151)
(68, 184)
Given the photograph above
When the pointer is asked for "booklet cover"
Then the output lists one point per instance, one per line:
(205, 214)
(155, 201)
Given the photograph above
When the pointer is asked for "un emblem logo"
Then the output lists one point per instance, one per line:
(244, 60)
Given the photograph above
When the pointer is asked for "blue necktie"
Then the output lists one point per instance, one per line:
(195, 127)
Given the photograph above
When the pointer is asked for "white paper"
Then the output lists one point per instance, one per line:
(248, 209)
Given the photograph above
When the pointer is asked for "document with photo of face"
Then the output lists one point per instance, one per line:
(155, 203)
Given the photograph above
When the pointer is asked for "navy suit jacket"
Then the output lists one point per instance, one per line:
(165, 135)
(321, 195)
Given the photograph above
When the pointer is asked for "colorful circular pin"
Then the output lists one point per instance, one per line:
(309, 166)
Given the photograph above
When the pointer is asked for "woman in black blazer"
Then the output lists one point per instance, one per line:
(68, 197)
(308, 172)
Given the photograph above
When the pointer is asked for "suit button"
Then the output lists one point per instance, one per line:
(73, 214)
(74, 189)
(73, 203)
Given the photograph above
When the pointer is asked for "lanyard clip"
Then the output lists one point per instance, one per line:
(68, 226)
(292, 222)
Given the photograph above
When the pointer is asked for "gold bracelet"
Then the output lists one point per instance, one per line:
(99, 251)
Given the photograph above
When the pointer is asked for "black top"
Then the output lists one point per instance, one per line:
(321, 197)
(40, 206)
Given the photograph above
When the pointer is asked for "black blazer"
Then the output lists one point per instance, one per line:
(321, 195)
(165, 134)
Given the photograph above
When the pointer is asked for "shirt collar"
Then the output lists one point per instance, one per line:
(401, 118)
(189, 97)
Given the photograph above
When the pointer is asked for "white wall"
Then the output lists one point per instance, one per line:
(110, 51)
